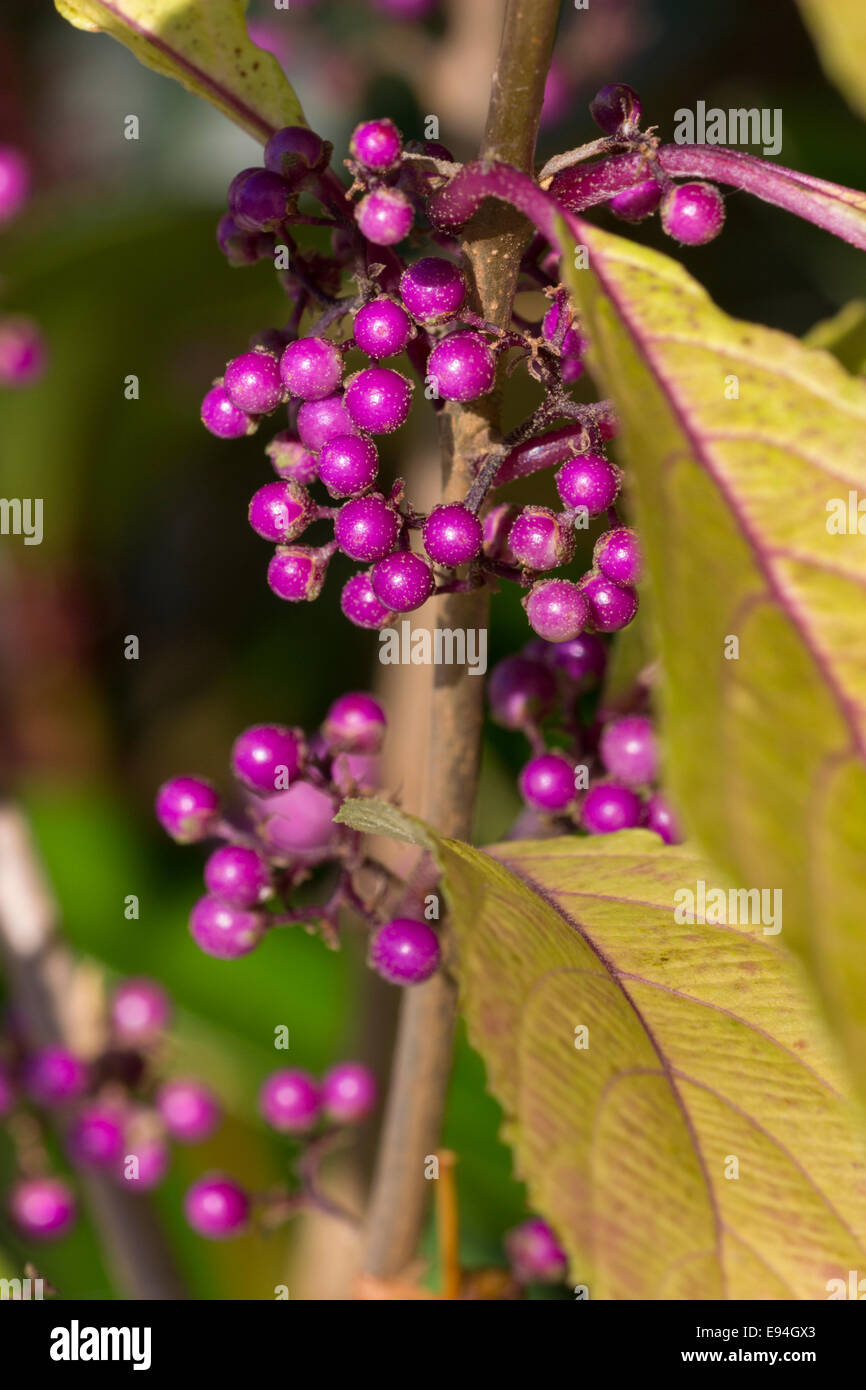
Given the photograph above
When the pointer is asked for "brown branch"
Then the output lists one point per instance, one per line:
(493, 243)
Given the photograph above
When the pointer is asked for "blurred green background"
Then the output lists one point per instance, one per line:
(145, 528)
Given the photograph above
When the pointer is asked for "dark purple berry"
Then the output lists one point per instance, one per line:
(534, 1253)
(319, 421)
(216, 1207)
(540, 540)
(617, 555)
(379, 399)
(405, 951)
(452, 534)
(693, 213)
(588, 481)
(462, 367)
(42, 1208)
(361, 606)
(614, 107)
(377, 145)
(634, 204)
(556, 609)
(140, 1011)
(222, 417)
(354, 724)
(384, 216)
(187, 808)
(348, 465)
(311, 368)
(628, 750)
(432, 289)
(348, 1093)
(290, 1101)
(402, 581)
(55, 1075)
(280, 511)
(582, 660)
(267, 757)
(366, 528)
(547, 782)
(253, 382)
(661, 819)
(260, 201)
(611, 606)
(608, 807)
(290, 459)
(237, 874)
(238, 247)
(520, 691)
(382, 328)
(300, 822)
(293, 151)
(297, 573)
(188, 1110)
(223, 931)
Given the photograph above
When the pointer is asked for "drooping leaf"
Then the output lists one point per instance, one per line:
(744, 449)
(839, 30)
(204, 45)
(693, 1142)
(844, 335)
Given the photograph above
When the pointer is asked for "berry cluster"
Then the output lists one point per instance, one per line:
(22, 349)
(597, 775)
(289, 791)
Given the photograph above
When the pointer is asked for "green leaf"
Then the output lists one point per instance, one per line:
(844, 335)
(699, 1146)
(204, 45)
(765, 749)
(838, 28)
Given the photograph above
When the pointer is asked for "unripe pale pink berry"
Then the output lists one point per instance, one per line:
(376, 144)
(280, 511)
(54, 1075)
(534, 1253)
(452, 535)
(140, 1011)
(540, 540)
(187, 808)
(634, 204)
(223, 931)
(611, 606)
(297, 573)
(556, 609)
(253, 383)
(384, 216)
(432, 289)
(290, 1101)
(217, 1207)
(311, 368)
(319, 421)
(693, 213)
(361, 606)
(520, 691)
(382, 328)
(547, 782)
(405, 951)
(379, 399)
(188, 1109)
(355, 724)
(267, 757)
(238, 874)
(462, 367)
(617, 555)
(299, 823)
(366, 528)
(42, 1208)
(222, 417)
(402, 581)
(289, 458)
(348, 465)
(629, 750)
(348, 1093)
(588, 481)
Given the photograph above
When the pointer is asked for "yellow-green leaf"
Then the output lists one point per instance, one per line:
(844, 335)
(205, 45)
(744, 448)
(839, 30)
(698, 1145)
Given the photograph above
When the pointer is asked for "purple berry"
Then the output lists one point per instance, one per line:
(382, 328)
(361, 606)
(216, 1207)
(140, 1011)
(297, 573)
(355, 724)
(405, 951)
(571, 370)
(462, 367)
(608, 807)
(348, 464)
(319, 421)
(289, 1100)
(42, 1208)
(14, 182)
(222, 417)
(259, 201)
(617, 555)
(187, 808)
(299, 823)
(253, 383)
(693, 213)
(96, 1137)
(366, 528)
(311, 368)
(582, 660)
(237, 874)
(520, 691)
(377, 145)
(588, 481)
(661, 819)
(540, 540)
(628, 750)
(378, 399)
(402, 581)
(497, 525)
(293, 151)
(384, 216)
(534, 1253)
(615, 106)
(223, 931)
(547, 782)
(556, 609)
(188, 1109)
(238, 247)
(280, 511)
(432, 289)
(348, 1093)
(572, 343)
(290, 459)
(611, 606)
(268, 757)
(634, 204)
(55, 1075)
(452, 534)
(22, 352)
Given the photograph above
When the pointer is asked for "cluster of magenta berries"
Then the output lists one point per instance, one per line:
(22, 348)
(420, 310)
(288, 791)
(598, 774)
(118, 1112)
